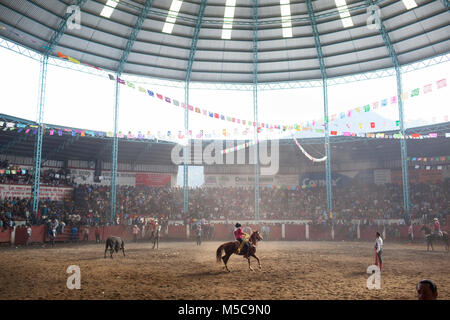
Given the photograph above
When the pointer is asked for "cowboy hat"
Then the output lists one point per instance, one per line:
(435, 219)
(238, 225)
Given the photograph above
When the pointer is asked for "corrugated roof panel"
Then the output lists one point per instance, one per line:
(415, 55)
(226, 67)
(375, 53)
(416, 34)
(222, 77)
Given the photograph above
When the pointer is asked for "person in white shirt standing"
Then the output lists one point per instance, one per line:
(378, 251)
(28, 235)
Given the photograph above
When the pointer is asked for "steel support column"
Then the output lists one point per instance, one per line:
(115, 147)
(56, 36)
(255, 106)
(40, 134)
(115, 141)
(403, 147)
(192, 51)
(325, 105)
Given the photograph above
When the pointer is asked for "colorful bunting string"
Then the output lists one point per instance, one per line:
(393, 100)
(249, 124)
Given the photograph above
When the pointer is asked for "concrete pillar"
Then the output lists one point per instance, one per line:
(384, 232)
(332, 232)
(283, 231)
(188, 231)
(307, 231)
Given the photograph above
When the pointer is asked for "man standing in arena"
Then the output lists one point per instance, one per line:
(378, 251)
(410, 233)
(97, 234)
(135, 233)
(199, 234)
(28, 234)
(74, 234)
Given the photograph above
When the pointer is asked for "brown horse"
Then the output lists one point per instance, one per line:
(430, 237)
(232, 247)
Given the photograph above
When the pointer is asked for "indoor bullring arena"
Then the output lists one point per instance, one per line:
(224, 149)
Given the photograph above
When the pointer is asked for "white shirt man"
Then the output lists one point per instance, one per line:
(379, 244)
(28, 235)
(379, 251)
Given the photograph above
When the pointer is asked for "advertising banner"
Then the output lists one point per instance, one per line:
(153, 179)
(217, 180)
(24, 191)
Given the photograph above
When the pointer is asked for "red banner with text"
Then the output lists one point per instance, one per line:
(153, 179)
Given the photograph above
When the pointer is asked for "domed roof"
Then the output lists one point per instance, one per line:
(224, 52)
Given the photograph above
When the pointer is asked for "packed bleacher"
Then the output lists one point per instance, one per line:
(365, 202)
(49, 177)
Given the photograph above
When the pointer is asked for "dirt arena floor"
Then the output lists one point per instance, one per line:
(182, 270)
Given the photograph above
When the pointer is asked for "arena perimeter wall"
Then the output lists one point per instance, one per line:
(222, 232)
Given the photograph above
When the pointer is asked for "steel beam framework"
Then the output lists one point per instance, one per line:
(284, 85)
(187, 81)
(255, 105)
(325, 105)
(239, 22)
(398, 74)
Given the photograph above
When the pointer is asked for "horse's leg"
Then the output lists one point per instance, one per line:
(225, 260)
(123, 250)
(249, 267)
(257, 259)
(111, 252)
(106, 249)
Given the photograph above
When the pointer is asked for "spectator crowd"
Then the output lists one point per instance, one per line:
(90, 205)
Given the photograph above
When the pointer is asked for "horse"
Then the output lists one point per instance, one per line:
(430, 237)
(114, 244)
(155, 231)
(232, 247)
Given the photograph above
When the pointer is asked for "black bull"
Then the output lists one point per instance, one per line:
(114, 244)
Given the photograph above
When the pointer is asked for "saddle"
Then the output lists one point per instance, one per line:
(240, 246)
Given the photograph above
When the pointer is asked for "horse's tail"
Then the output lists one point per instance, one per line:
(219, 253)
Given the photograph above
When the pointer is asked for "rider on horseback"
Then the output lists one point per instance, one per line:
(242, 237)
(437, 228)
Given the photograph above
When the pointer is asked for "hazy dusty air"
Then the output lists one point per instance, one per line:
(231, 156)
